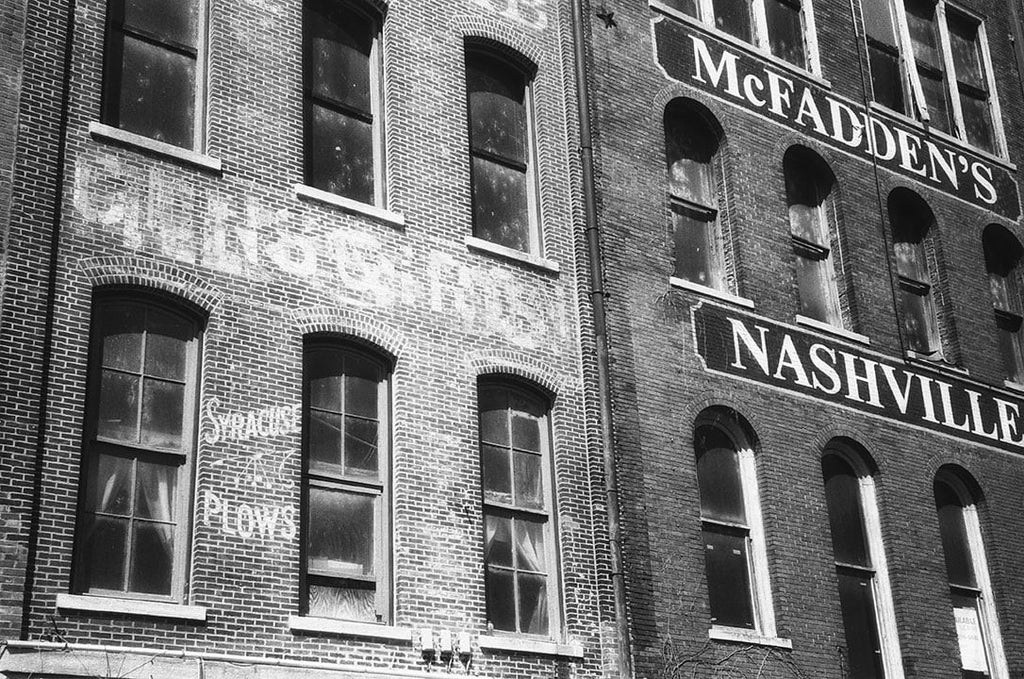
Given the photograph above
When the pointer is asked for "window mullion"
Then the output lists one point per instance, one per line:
(992, 99)
(761, 593)
(376, 104)
(909, 62)
(760, 18)
(707, 11)
(990, 625)
(960, 130)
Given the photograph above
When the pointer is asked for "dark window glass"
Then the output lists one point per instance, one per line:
(957, 550)
(143, 368)
(151, 57)
(1002, 258)
(513, 441)
(878, 21)
(688, 7)
(911, 221)
(977, 119)
(345, 526)
(727, 565)
(886, 80)
(785, 32)
(809, 182)
(718, 475)
(695, 246)
(863, 653)
(733, 17)
(340, 99)
(500, 150)
(842, 493)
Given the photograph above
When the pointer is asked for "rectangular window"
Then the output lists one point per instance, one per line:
(154, 72)
(519, 550)
(501, 148)
(949, 74)
(342, 64)
(345, 433)
(140, 442)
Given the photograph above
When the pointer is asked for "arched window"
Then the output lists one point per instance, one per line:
(1002, 258)
(502, 151)
(344, 147)
(346, 442)
(691, 145)
(912, 225)
(865, 598)
(736, 562)
(809, 185)
(981, 648)
(519, 533)
(140, 449)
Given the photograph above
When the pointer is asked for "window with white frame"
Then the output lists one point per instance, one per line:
(779, 27)
(154, 70)
(871, 650)
(519, 537)
(1002, 262)
(809, 185)
(343, 130)
(346, 569)
(913, 227)
(503, 166)
(929, 60)
(694, 193)
(140, 448)
(736, 562)
(977, 628)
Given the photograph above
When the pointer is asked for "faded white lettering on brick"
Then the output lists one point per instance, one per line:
(526, 12)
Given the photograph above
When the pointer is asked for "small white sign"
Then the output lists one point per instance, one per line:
(972, 645)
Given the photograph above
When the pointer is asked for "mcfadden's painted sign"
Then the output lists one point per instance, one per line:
(737, 77)
(752, 348)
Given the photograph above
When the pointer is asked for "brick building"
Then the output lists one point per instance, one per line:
(295, 343)
(812, 246)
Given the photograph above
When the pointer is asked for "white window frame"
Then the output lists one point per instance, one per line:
(993, 639)
(199, 113)
(758, 572)
(914, 101)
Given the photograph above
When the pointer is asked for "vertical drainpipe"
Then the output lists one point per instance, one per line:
(597, 297)
(51, 292)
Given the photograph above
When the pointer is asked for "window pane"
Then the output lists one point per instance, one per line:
(842, 493)
(498, 541)
(152, 558)
(690, 145)
(324, 437)
(155, 490)
(361, 447)
(934, 88)
(529, 488)
(785, 34)
(919, 324)
(348, 603)
(340, 44)
(533, 604)
(955, 547)
(970, 635)
(718, 476)
(167, 345)
(497, 477)
(1010, 348)
(341, 532)
(119, 407)
(162, 413)
(963, 43)
(500, 205)
(728, 579)
(172, 20)
(695, 247)
(886, 80)
(362, 387)
(688, 7)
(497, 108)
(341, 157)
(733, 17)
(525, 425)
(862, 649)
(529, 554)
(325, 369)
(923, 36)
(157, 97)
(106, 547)
(501, 600)
(817, 299)
(878, 21)
(910, 259)
(112, 485)
(978, 121)
(122, 336)
(494, 416)
(807, 222)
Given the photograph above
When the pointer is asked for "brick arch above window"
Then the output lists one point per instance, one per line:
(505, 363)
(359, 326)
(127, 271)
(503, 37)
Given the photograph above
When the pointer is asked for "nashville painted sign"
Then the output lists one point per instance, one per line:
(735, 76)
(752, 348)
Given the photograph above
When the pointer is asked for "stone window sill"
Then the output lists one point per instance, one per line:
(541, 263)
(395, 219)
(522, 644)
(137, 141)
(348, 628)
(711, 292)
(833, 330)
(139, 607)
(746, 636)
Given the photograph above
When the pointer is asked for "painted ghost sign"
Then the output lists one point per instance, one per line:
(733, 75)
